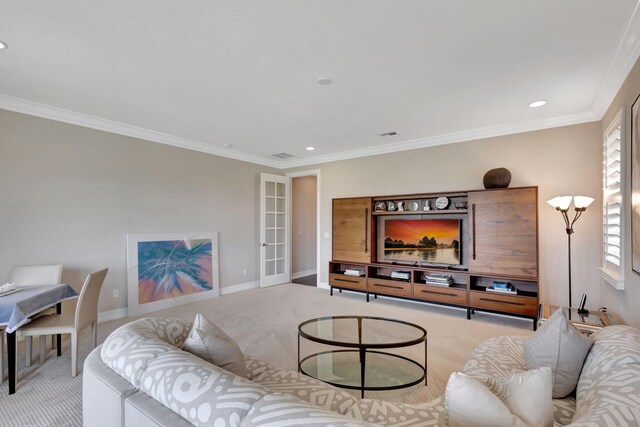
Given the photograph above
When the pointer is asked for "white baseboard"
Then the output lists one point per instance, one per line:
(106, 316)
(239, 287)
(323, 285)
(120, 313)
(304, 273)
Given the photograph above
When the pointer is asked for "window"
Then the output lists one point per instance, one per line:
(612, 208)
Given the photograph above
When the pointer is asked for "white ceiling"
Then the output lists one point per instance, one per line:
(201, 74)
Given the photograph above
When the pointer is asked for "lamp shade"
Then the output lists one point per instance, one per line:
(553, 202)
(582, 202)
(560, 202)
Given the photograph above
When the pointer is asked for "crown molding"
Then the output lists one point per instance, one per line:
(72, 117)
(450, 138)
(624, 58)
(84, 120)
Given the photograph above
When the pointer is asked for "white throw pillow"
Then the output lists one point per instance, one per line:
(519, 400)
(561, 347)
(210, 343)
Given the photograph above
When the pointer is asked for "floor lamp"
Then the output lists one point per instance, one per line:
(561, 204)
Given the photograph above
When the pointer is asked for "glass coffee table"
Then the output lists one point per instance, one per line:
(360, 364)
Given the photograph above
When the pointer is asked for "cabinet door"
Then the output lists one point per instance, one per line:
(503, 230)
(352, 229)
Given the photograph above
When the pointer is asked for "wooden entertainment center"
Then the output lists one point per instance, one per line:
(498, 243)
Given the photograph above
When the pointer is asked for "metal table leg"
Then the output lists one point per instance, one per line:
(59, 337)
(11, 349)
(298, 352)
(425, 362)
(363, 362)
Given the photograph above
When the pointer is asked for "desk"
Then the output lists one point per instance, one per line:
(587, 324)
(16, 309)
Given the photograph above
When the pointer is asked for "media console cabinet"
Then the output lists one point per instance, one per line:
(498, 242)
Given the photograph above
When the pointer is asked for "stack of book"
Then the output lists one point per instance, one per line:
(439, 279)
(502, 287)
(401, 275)
(353, 272)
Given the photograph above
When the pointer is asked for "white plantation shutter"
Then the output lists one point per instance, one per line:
(612, 196)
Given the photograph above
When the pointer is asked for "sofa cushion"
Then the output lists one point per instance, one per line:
(496, 357)
(204, 394)
(210, 343)
(613, 347)
(561, 347)
(564, 409)
(384, 413)
(281, 410)
(306, 388)
(519, 400)
(255, 366)
(129, 349)
(612, 399)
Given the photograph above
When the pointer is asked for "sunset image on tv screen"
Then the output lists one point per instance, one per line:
(424, 240)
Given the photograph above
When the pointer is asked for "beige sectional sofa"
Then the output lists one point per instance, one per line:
(140, 377)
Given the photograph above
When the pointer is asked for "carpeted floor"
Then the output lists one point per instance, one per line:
(264, 323)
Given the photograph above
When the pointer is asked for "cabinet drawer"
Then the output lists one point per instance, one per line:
(440, 294)
(347, 282)
(389, 287)
(526, 306)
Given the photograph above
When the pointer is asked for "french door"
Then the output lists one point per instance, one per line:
(275, 238)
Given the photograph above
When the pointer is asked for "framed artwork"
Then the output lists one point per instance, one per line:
(170, 269)
(635, 186)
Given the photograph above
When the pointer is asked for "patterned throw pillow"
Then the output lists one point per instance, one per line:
(561, 347)
(210, 343)
(519, 400)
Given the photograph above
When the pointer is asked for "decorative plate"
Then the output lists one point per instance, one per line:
(442, 202)
(413, 206)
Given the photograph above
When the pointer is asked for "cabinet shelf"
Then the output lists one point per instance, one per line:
(430, 212)
(498, 240)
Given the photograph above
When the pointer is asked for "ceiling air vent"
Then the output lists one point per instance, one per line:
(282, 155)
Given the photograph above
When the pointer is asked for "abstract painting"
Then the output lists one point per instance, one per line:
(635, 186)
(165, 270)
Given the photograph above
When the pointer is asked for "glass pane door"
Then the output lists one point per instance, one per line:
(274, 224)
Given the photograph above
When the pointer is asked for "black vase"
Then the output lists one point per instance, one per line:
(497, 178)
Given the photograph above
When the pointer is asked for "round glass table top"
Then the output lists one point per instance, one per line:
(362, 331)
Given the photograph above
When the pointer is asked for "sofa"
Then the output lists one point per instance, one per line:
(608, 391)
(141, 377)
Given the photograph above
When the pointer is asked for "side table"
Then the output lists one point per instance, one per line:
(585, 323)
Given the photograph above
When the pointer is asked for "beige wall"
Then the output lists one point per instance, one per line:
(70, 195)
(560, 161)
(304, 223)
(626, 303)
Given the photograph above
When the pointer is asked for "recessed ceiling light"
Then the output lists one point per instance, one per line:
(324, 81)
(536, 104)
(310, 148)
(3, 45)
(389, 134)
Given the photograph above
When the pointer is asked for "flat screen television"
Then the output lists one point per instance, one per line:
(421, 241)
